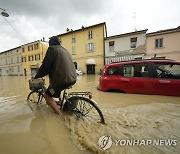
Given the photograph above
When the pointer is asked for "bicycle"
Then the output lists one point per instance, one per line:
(78, 103)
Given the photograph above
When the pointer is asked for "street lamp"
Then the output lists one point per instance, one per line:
(3, 13)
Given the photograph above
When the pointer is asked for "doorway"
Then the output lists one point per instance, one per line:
(90, 68)
(34, 71)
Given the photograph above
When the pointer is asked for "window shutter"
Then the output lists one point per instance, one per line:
(156, 43)
(93, 46)
(161, 43)
(134, 39)
(111, 43)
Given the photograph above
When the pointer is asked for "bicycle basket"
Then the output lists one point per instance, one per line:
(35, 84)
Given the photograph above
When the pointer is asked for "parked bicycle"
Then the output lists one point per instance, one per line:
(78, 103)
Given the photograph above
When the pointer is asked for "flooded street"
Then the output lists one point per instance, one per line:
(129, 117)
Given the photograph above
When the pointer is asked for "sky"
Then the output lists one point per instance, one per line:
(31, 20)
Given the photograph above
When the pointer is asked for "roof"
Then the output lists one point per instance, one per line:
(126, 34)
(34, 42)
(143, 60)
(44, 42)
(10, 49)
(140, 49)
(165, 31)
(83, 28)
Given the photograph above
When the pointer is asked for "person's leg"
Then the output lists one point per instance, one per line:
(51, 102)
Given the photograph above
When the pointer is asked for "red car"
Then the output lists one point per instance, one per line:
(148, 76)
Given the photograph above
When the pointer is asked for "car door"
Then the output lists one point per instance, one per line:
(137, 79)
(113, 75)
(168, 78)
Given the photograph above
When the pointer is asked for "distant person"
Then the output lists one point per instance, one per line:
(58, 64)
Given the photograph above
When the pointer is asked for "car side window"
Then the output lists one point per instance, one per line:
(116, 70)
(168, 70)
(136, 70)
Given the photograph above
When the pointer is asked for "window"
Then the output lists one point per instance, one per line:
(111, 46)
(36, 46)
(133, 42)
(73, 38)
(23, 59)
(30, 48)
(73, 50)
(136, 70)
(18, 68)
(37, 57)
(23, 49)
(90, 47)
(11, 60)
(115, 71)
(166, 70)
(17, 59)
(159, 43)
(30, 58)
(90, 34)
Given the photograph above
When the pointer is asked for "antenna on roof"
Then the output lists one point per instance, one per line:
(135, 29)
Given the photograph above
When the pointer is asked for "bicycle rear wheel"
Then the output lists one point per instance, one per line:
(35, 97)
(84, 107)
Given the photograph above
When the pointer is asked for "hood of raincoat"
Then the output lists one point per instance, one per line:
(54, 41)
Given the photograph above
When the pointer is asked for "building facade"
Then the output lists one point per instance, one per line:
(164, 44)
(10, 62)
(32, 56)
(124, 47)
(86, 46)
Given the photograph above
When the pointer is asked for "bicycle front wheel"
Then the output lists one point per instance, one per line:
(35, 97)
(84, 107)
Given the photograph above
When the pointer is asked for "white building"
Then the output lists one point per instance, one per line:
(164, 44)
(10, 62)
(124, 47)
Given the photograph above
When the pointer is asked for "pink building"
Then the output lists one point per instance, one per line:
(164, 44)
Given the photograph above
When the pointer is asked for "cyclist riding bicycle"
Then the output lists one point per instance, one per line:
(58, 64)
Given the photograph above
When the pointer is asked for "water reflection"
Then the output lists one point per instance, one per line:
(128, 116)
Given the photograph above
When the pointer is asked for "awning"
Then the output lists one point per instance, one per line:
(90, 61)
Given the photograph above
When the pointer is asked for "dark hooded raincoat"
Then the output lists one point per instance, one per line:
(58, 64)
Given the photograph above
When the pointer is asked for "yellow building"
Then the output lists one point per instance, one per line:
(32, 56)
(86, 46)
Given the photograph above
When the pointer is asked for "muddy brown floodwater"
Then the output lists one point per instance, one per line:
(134, 123)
